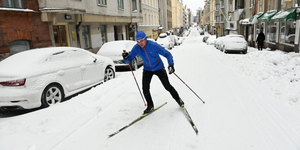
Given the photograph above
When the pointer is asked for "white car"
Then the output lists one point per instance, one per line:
(44, 77)
(114, 50)
(165, 41)
(211, 40)
(234, 44)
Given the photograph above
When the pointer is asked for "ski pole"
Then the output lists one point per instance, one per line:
(135, 80)
(188, 87)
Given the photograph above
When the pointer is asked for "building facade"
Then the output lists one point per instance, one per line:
(89, 24)
(177, 19)
(21, 27)
(150, 24)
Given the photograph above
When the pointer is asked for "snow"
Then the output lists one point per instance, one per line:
(252, 102)
(41, 61)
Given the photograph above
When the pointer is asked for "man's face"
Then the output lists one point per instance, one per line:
(142, 43)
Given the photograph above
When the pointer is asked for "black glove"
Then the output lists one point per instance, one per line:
(171, 69)
(125, 55)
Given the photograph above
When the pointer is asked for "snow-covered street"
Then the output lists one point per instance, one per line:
(252, 102)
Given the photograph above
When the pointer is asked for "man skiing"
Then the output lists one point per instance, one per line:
(149, 51)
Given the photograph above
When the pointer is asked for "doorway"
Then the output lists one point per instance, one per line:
(60, 37)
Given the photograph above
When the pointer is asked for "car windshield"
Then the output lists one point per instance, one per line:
(116, 47)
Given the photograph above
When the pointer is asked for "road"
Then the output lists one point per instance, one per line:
(240, 113)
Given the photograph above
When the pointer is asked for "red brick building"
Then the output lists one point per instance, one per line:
(21, 27)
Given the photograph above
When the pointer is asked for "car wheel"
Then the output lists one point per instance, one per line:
(134, 65)
(52, 95)
(109, 74)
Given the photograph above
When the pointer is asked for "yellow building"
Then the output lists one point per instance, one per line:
(212, 22)
(177, 18)
(150, 22)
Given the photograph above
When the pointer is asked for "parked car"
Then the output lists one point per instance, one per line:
(174, 39)
(180, 40)
(234, 44)
(205, 38)
(211, 40)
(218, 42)
(229, 37)
(114, 50)
(165, 41)
(46, 76)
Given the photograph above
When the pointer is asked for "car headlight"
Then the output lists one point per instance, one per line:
(119, 62)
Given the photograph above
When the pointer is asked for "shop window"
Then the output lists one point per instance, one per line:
(13, 3)
(250, 34)
(287, 32)
(18, 46)
(86, 37)
(290, 32)
(271, 32)
(259, 27)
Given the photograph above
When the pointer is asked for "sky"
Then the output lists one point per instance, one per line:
(193, 4)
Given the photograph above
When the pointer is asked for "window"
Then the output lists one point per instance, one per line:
(102, 2)
(86, 36)
(287, 32)
(259, 27)
(13, 3)
(134, 6)
(271, 32)
(18, 46)
(121, 4)
(222, 18)
(222, 3)
(103, 33)
(140, 5)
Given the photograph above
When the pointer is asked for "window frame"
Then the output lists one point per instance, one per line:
(11, 4)
(102, 2)
(121, 4)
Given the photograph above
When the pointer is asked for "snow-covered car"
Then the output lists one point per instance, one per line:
(211, 40)
(114, 50)
(234, 44)
(180, 40)
(228, 37)
(44, 77)
(165, 41)
(205, 38)
(218, 42)
(174, 39)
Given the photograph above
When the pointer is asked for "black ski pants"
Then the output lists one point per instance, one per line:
(163, 77)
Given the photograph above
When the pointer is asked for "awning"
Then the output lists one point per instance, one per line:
(245, 21)
(254, 18)
(267, 16)
(284, 15)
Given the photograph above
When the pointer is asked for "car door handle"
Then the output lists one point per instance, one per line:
(82, 68)
(61, 72)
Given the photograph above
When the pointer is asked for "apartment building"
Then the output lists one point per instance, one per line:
(177, 19)
(89, 24)
(278, 19)
(150, 24)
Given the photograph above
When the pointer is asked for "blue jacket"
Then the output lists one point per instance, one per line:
(150, 55)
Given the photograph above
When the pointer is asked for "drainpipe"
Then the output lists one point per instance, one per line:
(77, 32)
(254, 12)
